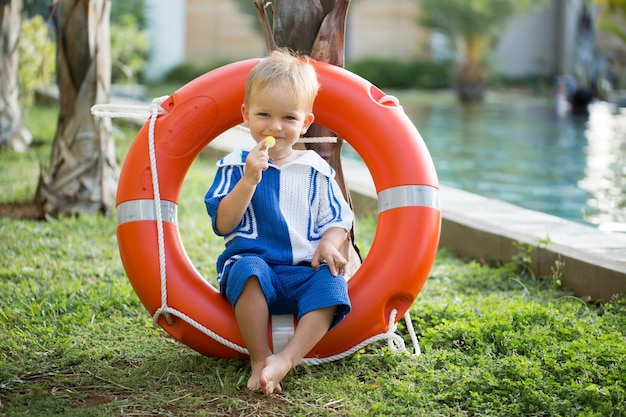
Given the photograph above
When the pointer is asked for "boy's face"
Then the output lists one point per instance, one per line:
(275, 112)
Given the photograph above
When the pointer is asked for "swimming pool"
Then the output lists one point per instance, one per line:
(521, 152)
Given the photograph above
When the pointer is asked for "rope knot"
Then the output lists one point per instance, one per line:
(394, 341)
(155, 105)
(163, 311)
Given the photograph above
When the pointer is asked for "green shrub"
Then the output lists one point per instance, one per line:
(431, 74)
(37, 58)
(129, 50)
(136, 8)
(37, 63)
(388, 73)
(540, 84)
(182, 73)
(187, 71)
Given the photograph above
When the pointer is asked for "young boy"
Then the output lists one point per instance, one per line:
(283, 218)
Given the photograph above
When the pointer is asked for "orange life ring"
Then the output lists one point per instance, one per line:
(407, 232)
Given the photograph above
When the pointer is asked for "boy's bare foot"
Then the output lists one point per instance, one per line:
(254, 382)
(275, 370)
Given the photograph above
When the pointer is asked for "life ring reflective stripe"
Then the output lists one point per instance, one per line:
(137, 210)
(407, 196)
(407, 232)
(413, 195)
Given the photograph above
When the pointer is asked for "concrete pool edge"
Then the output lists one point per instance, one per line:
(594, 262)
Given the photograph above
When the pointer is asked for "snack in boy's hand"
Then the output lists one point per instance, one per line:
(269, 141)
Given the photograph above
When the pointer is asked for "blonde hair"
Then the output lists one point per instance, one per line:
(283, 69)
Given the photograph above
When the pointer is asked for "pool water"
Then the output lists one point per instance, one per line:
(521, 152)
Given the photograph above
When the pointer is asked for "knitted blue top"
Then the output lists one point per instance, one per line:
(291, 208)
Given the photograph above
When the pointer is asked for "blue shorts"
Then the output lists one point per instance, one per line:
(289, 289)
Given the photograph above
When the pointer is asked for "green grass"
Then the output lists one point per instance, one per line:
(75, 340)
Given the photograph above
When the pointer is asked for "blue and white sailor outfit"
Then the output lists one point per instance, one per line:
(290, 210)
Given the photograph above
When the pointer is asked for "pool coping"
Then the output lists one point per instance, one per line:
(487, 229)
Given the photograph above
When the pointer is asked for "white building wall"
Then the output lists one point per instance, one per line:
(569, 41)
(528, 46)
(542, 42)
(218, 30)
(166, 28)
(385, 29)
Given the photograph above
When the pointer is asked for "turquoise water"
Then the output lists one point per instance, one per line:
(521, 152)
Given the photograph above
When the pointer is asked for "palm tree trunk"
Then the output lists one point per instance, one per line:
(471, 75)
(83, 171)
(13, 134)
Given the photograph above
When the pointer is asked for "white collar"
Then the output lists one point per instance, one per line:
(307, 157)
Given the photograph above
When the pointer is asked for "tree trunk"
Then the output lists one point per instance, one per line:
(315, 28)
(471, 74)
(12, 132)
(470, 82)
(82, 176)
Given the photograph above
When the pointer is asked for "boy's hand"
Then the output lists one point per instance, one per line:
(257, 161)
(327, 252)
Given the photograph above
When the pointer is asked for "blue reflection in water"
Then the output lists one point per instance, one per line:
(572, 167)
